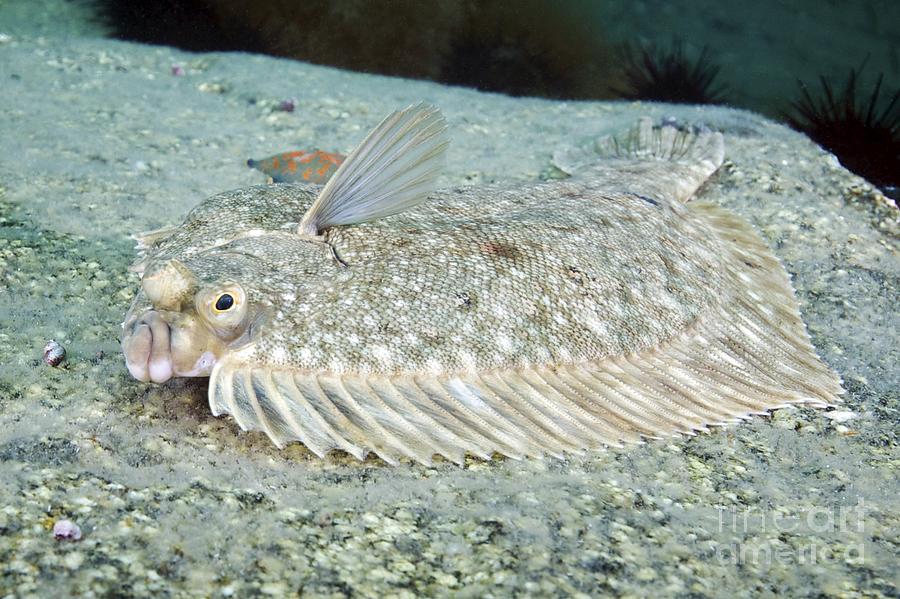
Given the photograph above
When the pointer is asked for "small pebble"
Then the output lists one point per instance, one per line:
(177, 70)
(288, 105)
(213, 87)
(54, 353)
(66, 530)
(840, 415)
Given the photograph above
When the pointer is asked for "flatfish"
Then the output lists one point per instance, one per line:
(374, 314)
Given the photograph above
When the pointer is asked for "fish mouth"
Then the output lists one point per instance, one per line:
(147, 348)
(155, 350)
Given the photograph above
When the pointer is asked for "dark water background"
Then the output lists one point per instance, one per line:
(760, 56)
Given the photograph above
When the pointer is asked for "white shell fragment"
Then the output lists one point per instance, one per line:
(840, 415)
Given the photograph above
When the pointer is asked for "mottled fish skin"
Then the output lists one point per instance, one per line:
(526, 320)
(226, 216)
(614, 276)
(314, 166)
(501, 299)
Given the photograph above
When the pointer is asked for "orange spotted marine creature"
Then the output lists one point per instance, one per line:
(299, 166)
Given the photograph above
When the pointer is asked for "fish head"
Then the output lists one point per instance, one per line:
(181, 323)
(206, 286)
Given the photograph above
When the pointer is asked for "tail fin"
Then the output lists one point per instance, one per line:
(663, 161)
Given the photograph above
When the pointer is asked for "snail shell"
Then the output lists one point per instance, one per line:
(54, 353)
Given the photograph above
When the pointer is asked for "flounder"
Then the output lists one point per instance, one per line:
(543, 319)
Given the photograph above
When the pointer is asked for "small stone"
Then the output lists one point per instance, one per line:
(211, 87)
(288, 105)
(54, 353)
(177, 70)
(73, 560)
(840, 415)
(66, 530)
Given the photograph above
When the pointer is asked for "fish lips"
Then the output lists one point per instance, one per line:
(158, 346)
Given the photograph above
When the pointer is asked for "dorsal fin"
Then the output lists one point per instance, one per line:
(665, 161)
(393, 169)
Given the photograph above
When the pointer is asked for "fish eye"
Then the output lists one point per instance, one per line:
(224, 303)
(224, 306)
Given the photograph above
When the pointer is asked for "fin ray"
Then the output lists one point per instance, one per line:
(312, 437)
(672, 161)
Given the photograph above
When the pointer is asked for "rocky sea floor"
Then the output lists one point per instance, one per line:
(100, 139)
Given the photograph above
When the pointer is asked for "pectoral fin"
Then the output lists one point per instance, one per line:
(393, 169)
